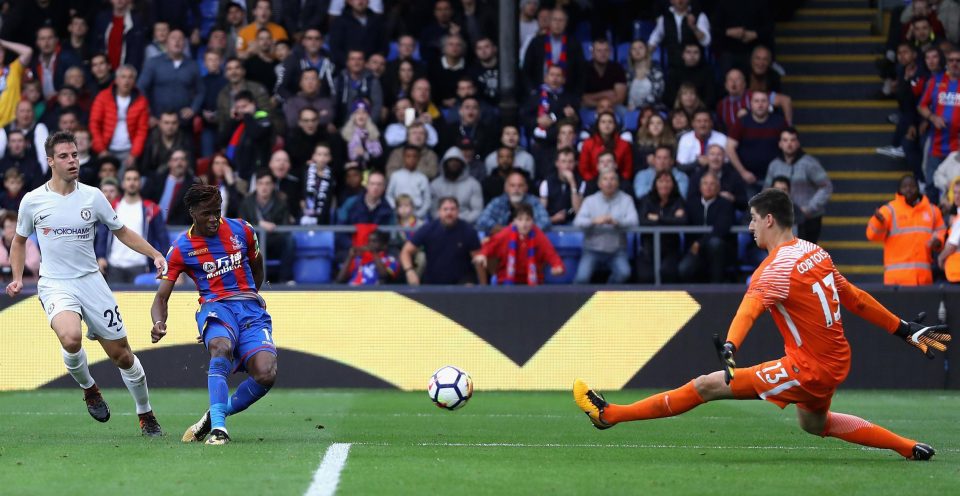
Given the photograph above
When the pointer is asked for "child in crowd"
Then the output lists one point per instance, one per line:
(319, 185)
(522, 251)
(13, 191)
(370, 264)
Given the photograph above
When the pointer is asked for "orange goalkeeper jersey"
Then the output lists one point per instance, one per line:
(801, 288)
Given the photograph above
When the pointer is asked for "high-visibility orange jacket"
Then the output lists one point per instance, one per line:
(905, 233)
(951, 266)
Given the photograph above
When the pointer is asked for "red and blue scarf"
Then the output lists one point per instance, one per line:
(512, 245)
(548, 53)
(235, 140)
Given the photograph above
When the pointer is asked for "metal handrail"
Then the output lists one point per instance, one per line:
(656, 231)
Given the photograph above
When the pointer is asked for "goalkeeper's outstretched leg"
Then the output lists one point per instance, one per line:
(666, 404)
(856, 430)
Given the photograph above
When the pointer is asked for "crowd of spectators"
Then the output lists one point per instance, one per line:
(366, 112)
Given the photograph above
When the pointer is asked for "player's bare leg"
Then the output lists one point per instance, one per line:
(136, 381)
(66, 325)
(221, 351)
(859, 431)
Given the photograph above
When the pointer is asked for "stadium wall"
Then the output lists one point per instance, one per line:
(517, 338)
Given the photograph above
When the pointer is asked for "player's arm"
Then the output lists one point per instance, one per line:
(158, 312)
(750, 309)
(916, 334)
(18, 256)
(136, 243)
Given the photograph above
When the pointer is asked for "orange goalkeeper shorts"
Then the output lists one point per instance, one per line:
(778, 382)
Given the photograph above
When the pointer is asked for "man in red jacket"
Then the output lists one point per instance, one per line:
(119, 118)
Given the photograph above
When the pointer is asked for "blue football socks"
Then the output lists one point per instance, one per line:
(219, 392)
(248, 392)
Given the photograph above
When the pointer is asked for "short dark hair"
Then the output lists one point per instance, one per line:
(200, 194)
(245, 95)
(131, 169)
(522, 209)
(781, 179)
(776, 203)
(451, 199)
(265, 172)
(57, 138)
(791, 130)
(566, 151)
(663, 147)
(411, 147)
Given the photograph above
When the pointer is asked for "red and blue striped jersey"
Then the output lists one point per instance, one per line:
(942, 97)
(219, 264)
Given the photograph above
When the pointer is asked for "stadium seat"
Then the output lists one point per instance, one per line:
(587, 116)
(643, 29)
(392, 53)
(147, 279)
(623, 54)
(569, 246)
(174, 235)
(630, 120)
(587, 50)
(315, 254)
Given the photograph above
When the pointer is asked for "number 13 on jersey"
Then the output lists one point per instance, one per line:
(819, 290)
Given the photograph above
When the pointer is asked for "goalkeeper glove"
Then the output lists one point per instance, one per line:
(726, 351)
(924, 337)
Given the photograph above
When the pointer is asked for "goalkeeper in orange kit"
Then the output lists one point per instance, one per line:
(803, 291)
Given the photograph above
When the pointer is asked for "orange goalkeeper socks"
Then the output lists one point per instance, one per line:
(666, 404)
(856, 430)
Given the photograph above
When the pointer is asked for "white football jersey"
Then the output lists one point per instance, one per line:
(65, 227)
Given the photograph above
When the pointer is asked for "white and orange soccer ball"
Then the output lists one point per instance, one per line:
(450, 388)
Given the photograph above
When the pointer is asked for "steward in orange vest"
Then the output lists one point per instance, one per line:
(910, 229)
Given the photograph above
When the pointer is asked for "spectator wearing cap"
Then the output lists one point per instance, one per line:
(50, 62)
(121, 34)
(449, 242)
(358, 29)
(416, 137)
(555, 49)
(455, 181)
(603, 215)
(261, 20)
(119, 118)
(410, 182)
(247, 140)
(499, 211)
(355, 82)
(172, 81)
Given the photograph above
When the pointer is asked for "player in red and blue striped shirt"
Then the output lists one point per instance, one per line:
(222, 256)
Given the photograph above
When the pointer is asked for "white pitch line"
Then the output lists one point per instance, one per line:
(327, 476)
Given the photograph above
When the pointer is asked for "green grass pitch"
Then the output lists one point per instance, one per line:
(500, 443)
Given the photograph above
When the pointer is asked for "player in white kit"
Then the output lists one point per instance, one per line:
(64, 214)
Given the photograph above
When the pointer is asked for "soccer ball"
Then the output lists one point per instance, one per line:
(450, 387)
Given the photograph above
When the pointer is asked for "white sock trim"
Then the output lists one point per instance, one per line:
(76, 364)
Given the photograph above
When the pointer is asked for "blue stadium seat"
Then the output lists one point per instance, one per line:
(146, 279)
(587, 116)
(587, 50)
(643, 29)
(174, 235)
(315, 254)
(569, 246)
(623, 54)
(630, 120)
(450, 115)
(392, 53)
